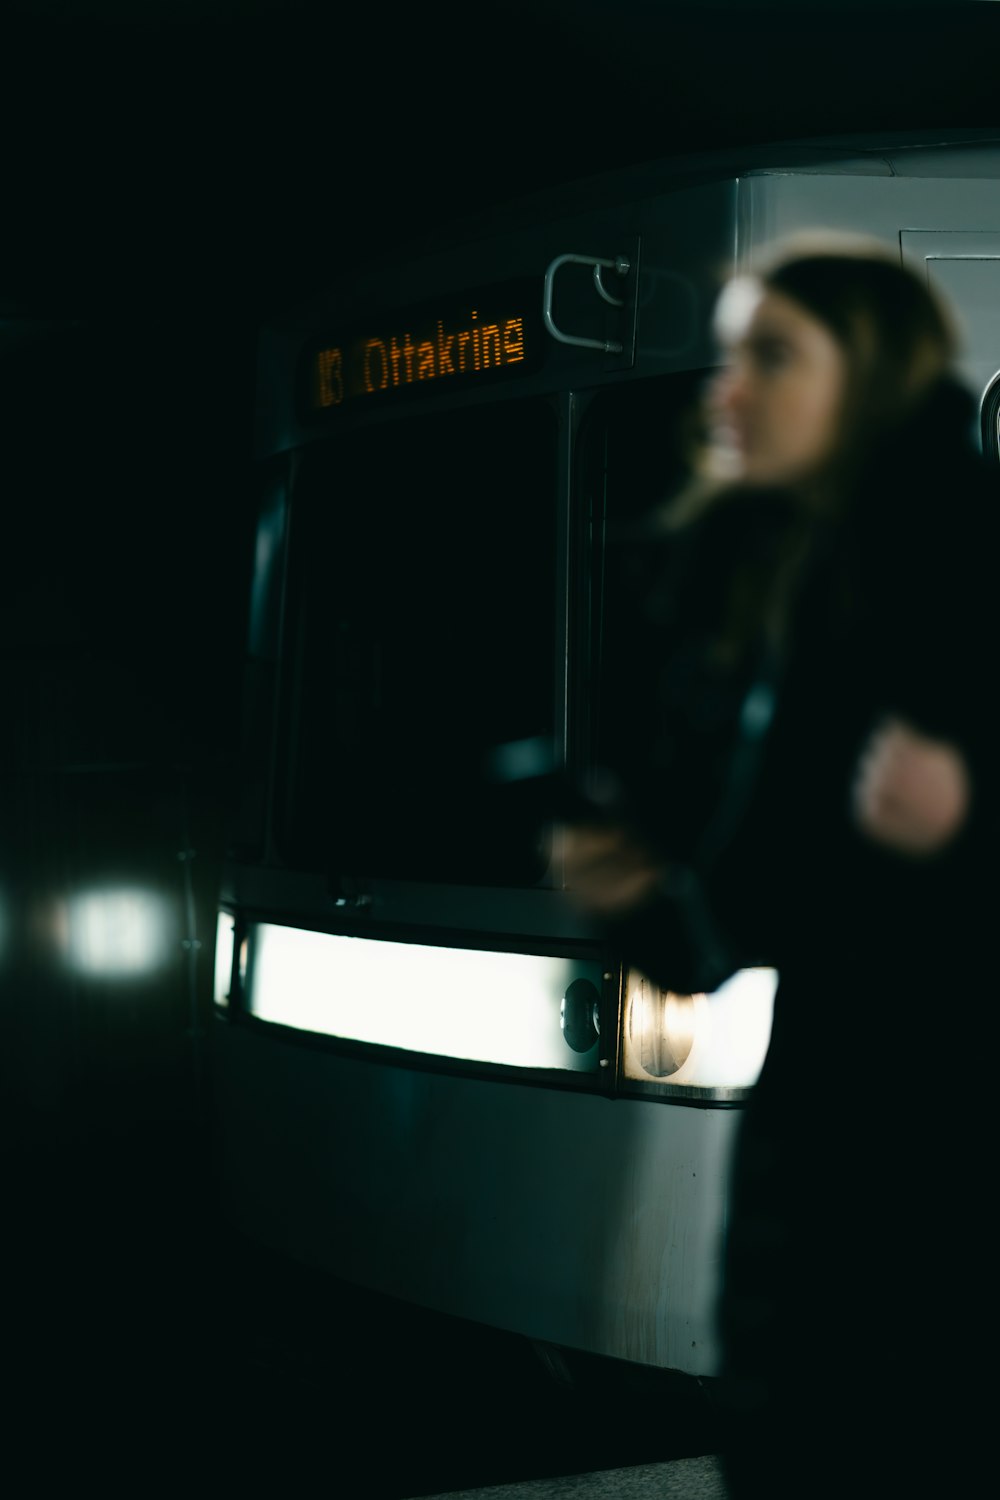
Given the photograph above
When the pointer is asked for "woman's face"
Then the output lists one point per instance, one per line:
(774, 407)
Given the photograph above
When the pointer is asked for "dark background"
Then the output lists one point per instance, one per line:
(173, 172)
(170, 174)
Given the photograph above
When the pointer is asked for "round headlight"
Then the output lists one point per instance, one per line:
(661, 1027)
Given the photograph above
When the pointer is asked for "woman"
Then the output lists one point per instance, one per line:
(843, 530)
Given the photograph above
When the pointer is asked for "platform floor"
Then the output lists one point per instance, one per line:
(154, 1350)
(681, 1479)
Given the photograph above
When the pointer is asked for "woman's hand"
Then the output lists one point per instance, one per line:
(606, 866)
(911, 792)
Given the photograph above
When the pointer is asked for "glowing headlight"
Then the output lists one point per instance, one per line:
(517, 1009)
(711, 1042)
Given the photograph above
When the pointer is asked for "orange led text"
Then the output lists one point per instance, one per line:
(394, 360)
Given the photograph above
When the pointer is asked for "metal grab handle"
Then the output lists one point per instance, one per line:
(619, 264)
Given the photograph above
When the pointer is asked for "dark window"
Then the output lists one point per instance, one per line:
(665, 735)
(419, 633)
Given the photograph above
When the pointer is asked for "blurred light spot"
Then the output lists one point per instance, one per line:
(117, 933)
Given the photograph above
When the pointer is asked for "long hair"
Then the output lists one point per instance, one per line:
(897, 335)
(899, 341)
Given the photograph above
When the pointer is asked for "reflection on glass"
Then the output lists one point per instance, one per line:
(701, 1041)
(451, 1002)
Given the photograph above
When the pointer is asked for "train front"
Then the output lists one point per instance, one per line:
(437, 1079)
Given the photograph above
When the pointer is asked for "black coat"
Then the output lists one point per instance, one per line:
(858, 1280)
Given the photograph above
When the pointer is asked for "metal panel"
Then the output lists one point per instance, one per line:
(776, 205)
(581, 1221)
(965, 266)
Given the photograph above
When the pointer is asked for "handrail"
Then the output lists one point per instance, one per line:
(619, 264)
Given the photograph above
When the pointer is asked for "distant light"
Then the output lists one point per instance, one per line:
(117, 933)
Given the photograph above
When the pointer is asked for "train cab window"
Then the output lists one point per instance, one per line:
(418, 634)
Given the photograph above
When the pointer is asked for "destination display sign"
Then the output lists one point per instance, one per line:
(483, 336)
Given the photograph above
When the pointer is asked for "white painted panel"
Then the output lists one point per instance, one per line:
(774, 205)
(965, 266)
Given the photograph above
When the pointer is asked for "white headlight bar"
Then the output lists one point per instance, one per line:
(520, 1009)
